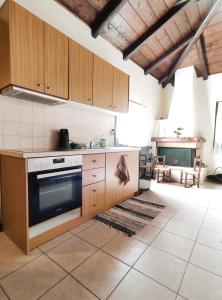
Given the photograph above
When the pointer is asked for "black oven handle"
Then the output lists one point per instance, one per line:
(47, 175)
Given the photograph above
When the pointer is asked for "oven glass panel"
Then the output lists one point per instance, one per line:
(55, 191)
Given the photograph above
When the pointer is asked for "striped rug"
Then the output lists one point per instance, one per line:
(130, 216)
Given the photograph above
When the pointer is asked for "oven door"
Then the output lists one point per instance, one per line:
(52, 193)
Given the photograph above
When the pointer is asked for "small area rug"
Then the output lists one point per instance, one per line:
(131, 215)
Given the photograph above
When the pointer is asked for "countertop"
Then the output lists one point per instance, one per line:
(26, 153)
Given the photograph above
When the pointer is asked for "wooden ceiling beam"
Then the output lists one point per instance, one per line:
(179, 46)
(201, 50)
(162, 21)
(212, 10)
(106, 15)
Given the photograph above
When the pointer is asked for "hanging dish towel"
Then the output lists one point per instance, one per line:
(122, 171)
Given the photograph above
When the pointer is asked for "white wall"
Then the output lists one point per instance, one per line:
(84, 124)
(205, 93)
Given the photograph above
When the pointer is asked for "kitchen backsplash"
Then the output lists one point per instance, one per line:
(29, 125)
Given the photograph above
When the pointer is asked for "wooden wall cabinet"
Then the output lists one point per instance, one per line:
(102, 83)
(34, 55)
(56, 62)
(110, 86)
(120, 91)
(80, 74)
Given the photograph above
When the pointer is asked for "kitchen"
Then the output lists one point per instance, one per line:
(72, 114)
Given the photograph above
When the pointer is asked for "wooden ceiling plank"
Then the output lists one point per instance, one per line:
(144, 11)
(81, 8)
(201, 50)
(116, 37)
(98, 5)
(106, 15)
(169, 53)
(133, 19)
(213, 8)
(162, 21)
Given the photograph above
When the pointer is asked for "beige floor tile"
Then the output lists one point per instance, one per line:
(210, 238)
(101, 273)
(194, 218)
(71, 253)
(160, 221)
(174, 244)
(207, 258)
(212, 224)
(126, 249)
(33, 279)
(147, 234)
(186, 230)
(162, 267)
(199, 284)
(56, 241)
(68, 289)
(136, 286)
(82, 226)
(2, 295)
(12, 258)
(98, 234)
(179, 298)
(4, 241)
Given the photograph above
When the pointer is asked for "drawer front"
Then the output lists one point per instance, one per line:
(93, 161)
(93, 198)
(93, 176)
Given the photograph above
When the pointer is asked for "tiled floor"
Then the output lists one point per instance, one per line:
(176, 256)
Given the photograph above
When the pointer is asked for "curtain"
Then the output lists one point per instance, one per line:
(218, 129)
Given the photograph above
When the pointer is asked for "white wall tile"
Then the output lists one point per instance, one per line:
(25, 130)
(11, 128)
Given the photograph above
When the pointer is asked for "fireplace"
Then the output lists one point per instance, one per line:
(178, 151)
(183, 157)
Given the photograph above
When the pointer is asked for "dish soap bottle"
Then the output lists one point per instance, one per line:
(102, 142)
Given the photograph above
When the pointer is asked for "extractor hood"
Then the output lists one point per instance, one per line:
(25, 94)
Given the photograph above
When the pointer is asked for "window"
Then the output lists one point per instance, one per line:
(131, 127)
(218, 127)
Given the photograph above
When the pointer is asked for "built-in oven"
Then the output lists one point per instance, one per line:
(55, 186)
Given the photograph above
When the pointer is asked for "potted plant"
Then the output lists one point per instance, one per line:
(178, 131)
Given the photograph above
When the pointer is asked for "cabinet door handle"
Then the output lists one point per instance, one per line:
(114, 107)
(48, 87)
(126, 155)
(89, 99)
(110, 106)
(94, 161)
(39, 84)
(94, 191)
(94, 205)
(94, 175)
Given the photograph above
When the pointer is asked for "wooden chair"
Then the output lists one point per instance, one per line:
(193, 175)
(161, 171)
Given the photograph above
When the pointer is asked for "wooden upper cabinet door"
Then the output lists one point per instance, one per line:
(102, 83)
(56, 62)
(80, 73)
(120, 91)
(27, 49)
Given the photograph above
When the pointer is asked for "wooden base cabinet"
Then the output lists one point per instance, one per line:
(93, 198)
(115, 191)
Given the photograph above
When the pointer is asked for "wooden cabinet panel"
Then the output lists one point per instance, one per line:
(27, 49)
(132, 160)
(102, 83)
(93, 176)
(56, 62)
(114, 190)
(93, 161)
(93, 198)
(80, 73)
(5, 74)
(120, 91)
